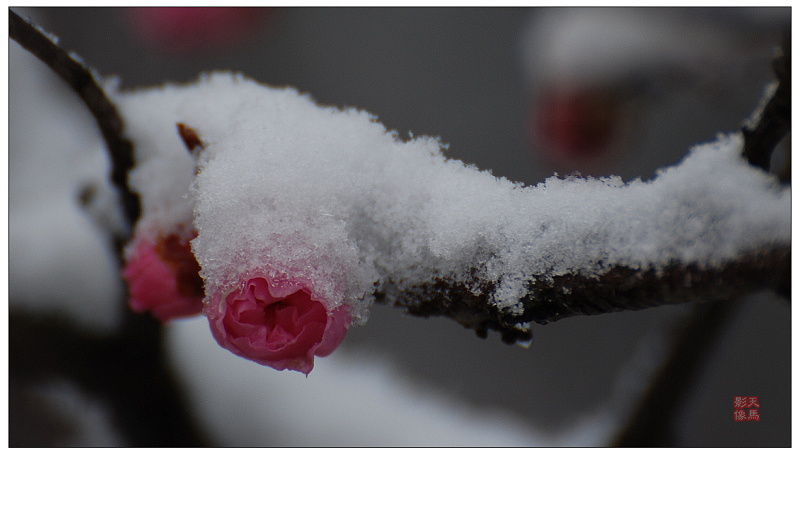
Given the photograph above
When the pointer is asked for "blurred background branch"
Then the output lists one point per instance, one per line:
(775, 120)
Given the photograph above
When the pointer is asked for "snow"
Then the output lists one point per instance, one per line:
(352, 401)
(289, 187)
(164, 167)
(54, 149)
(614, 45)
(349, 402)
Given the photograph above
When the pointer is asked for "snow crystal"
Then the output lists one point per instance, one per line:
(164, 168)
(286, 187)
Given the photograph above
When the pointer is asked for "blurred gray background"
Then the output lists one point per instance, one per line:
(457, 73)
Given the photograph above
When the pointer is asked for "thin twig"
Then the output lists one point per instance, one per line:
(83, 82)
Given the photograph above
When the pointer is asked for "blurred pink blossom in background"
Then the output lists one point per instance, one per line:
(578, 128)
(183, 30)
(163, 278)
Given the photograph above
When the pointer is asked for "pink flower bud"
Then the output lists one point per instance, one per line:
(277, 323)
(163, 278)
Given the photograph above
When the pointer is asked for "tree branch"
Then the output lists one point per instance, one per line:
(83, 82)
(623, 288)
(618, 289)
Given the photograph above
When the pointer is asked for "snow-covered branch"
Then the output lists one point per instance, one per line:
(282, 201)
(292, 190)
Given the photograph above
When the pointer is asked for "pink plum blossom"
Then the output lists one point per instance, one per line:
(278, 323)
(163, 278)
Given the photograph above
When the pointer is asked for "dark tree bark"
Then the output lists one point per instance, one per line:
(618, 289)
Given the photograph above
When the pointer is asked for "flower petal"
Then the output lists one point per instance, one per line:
(277, 323)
